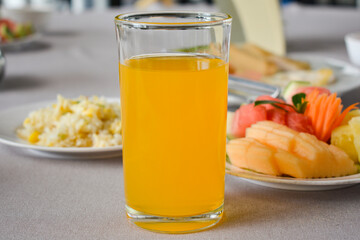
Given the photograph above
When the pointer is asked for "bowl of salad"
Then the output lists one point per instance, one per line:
(11, 31)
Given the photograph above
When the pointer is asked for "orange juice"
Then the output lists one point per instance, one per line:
(174, 133)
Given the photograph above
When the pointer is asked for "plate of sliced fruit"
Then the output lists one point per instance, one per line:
(308, 142)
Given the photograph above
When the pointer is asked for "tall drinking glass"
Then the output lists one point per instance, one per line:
(173, 80)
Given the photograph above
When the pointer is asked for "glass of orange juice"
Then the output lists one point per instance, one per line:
(173, 71)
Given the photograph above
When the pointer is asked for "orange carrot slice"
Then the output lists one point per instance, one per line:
(328, 127)
(325, 113)
(331, 117)
(320, 113)
(343, 114)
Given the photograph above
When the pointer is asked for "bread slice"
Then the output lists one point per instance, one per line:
(283, 63)
(242, 62)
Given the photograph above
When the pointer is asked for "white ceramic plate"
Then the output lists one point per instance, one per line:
(11, 119)
(18, 44)
(295, 184)
(347, 76)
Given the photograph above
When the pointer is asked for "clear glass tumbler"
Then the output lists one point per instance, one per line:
(173, 71)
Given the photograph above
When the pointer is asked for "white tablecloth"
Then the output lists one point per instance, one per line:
(46, 198)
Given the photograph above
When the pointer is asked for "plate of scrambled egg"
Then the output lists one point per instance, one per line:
(81, 127)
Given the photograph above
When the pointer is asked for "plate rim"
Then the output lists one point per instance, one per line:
(65, 150)
(246, 174)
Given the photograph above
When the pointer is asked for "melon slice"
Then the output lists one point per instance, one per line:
(306, 149)
(273, 134)
(248, 153)
(275, 149)
(309, 147)
(292, 165)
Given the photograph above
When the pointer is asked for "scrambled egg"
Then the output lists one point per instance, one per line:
(81, 122)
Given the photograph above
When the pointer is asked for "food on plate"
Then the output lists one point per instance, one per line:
(250, 58)
(229, 122)
(10, 30)
(249, 66)
(291, 89)
(245, 116)
(273, 109)
(313, 111)
(347, 136)
(80, 122)
(253, 62)
(296, 87)
(318, 77)
(275, 149)
(350, 115)
(282, 63)
(273, 137)
(355, 128)
(249, 153)
(343, 138)
(325, 113)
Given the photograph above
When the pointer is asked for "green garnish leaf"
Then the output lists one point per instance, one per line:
(275, 104)
(299, 103)
(297, 99)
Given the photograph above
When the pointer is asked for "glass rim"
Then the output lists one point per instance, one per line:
(222, 18)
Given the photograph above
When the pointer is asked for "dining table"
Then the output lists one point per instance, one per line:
(67, 197)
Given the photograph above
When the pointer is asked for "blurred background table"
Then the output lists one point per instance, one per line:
(47, 198)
